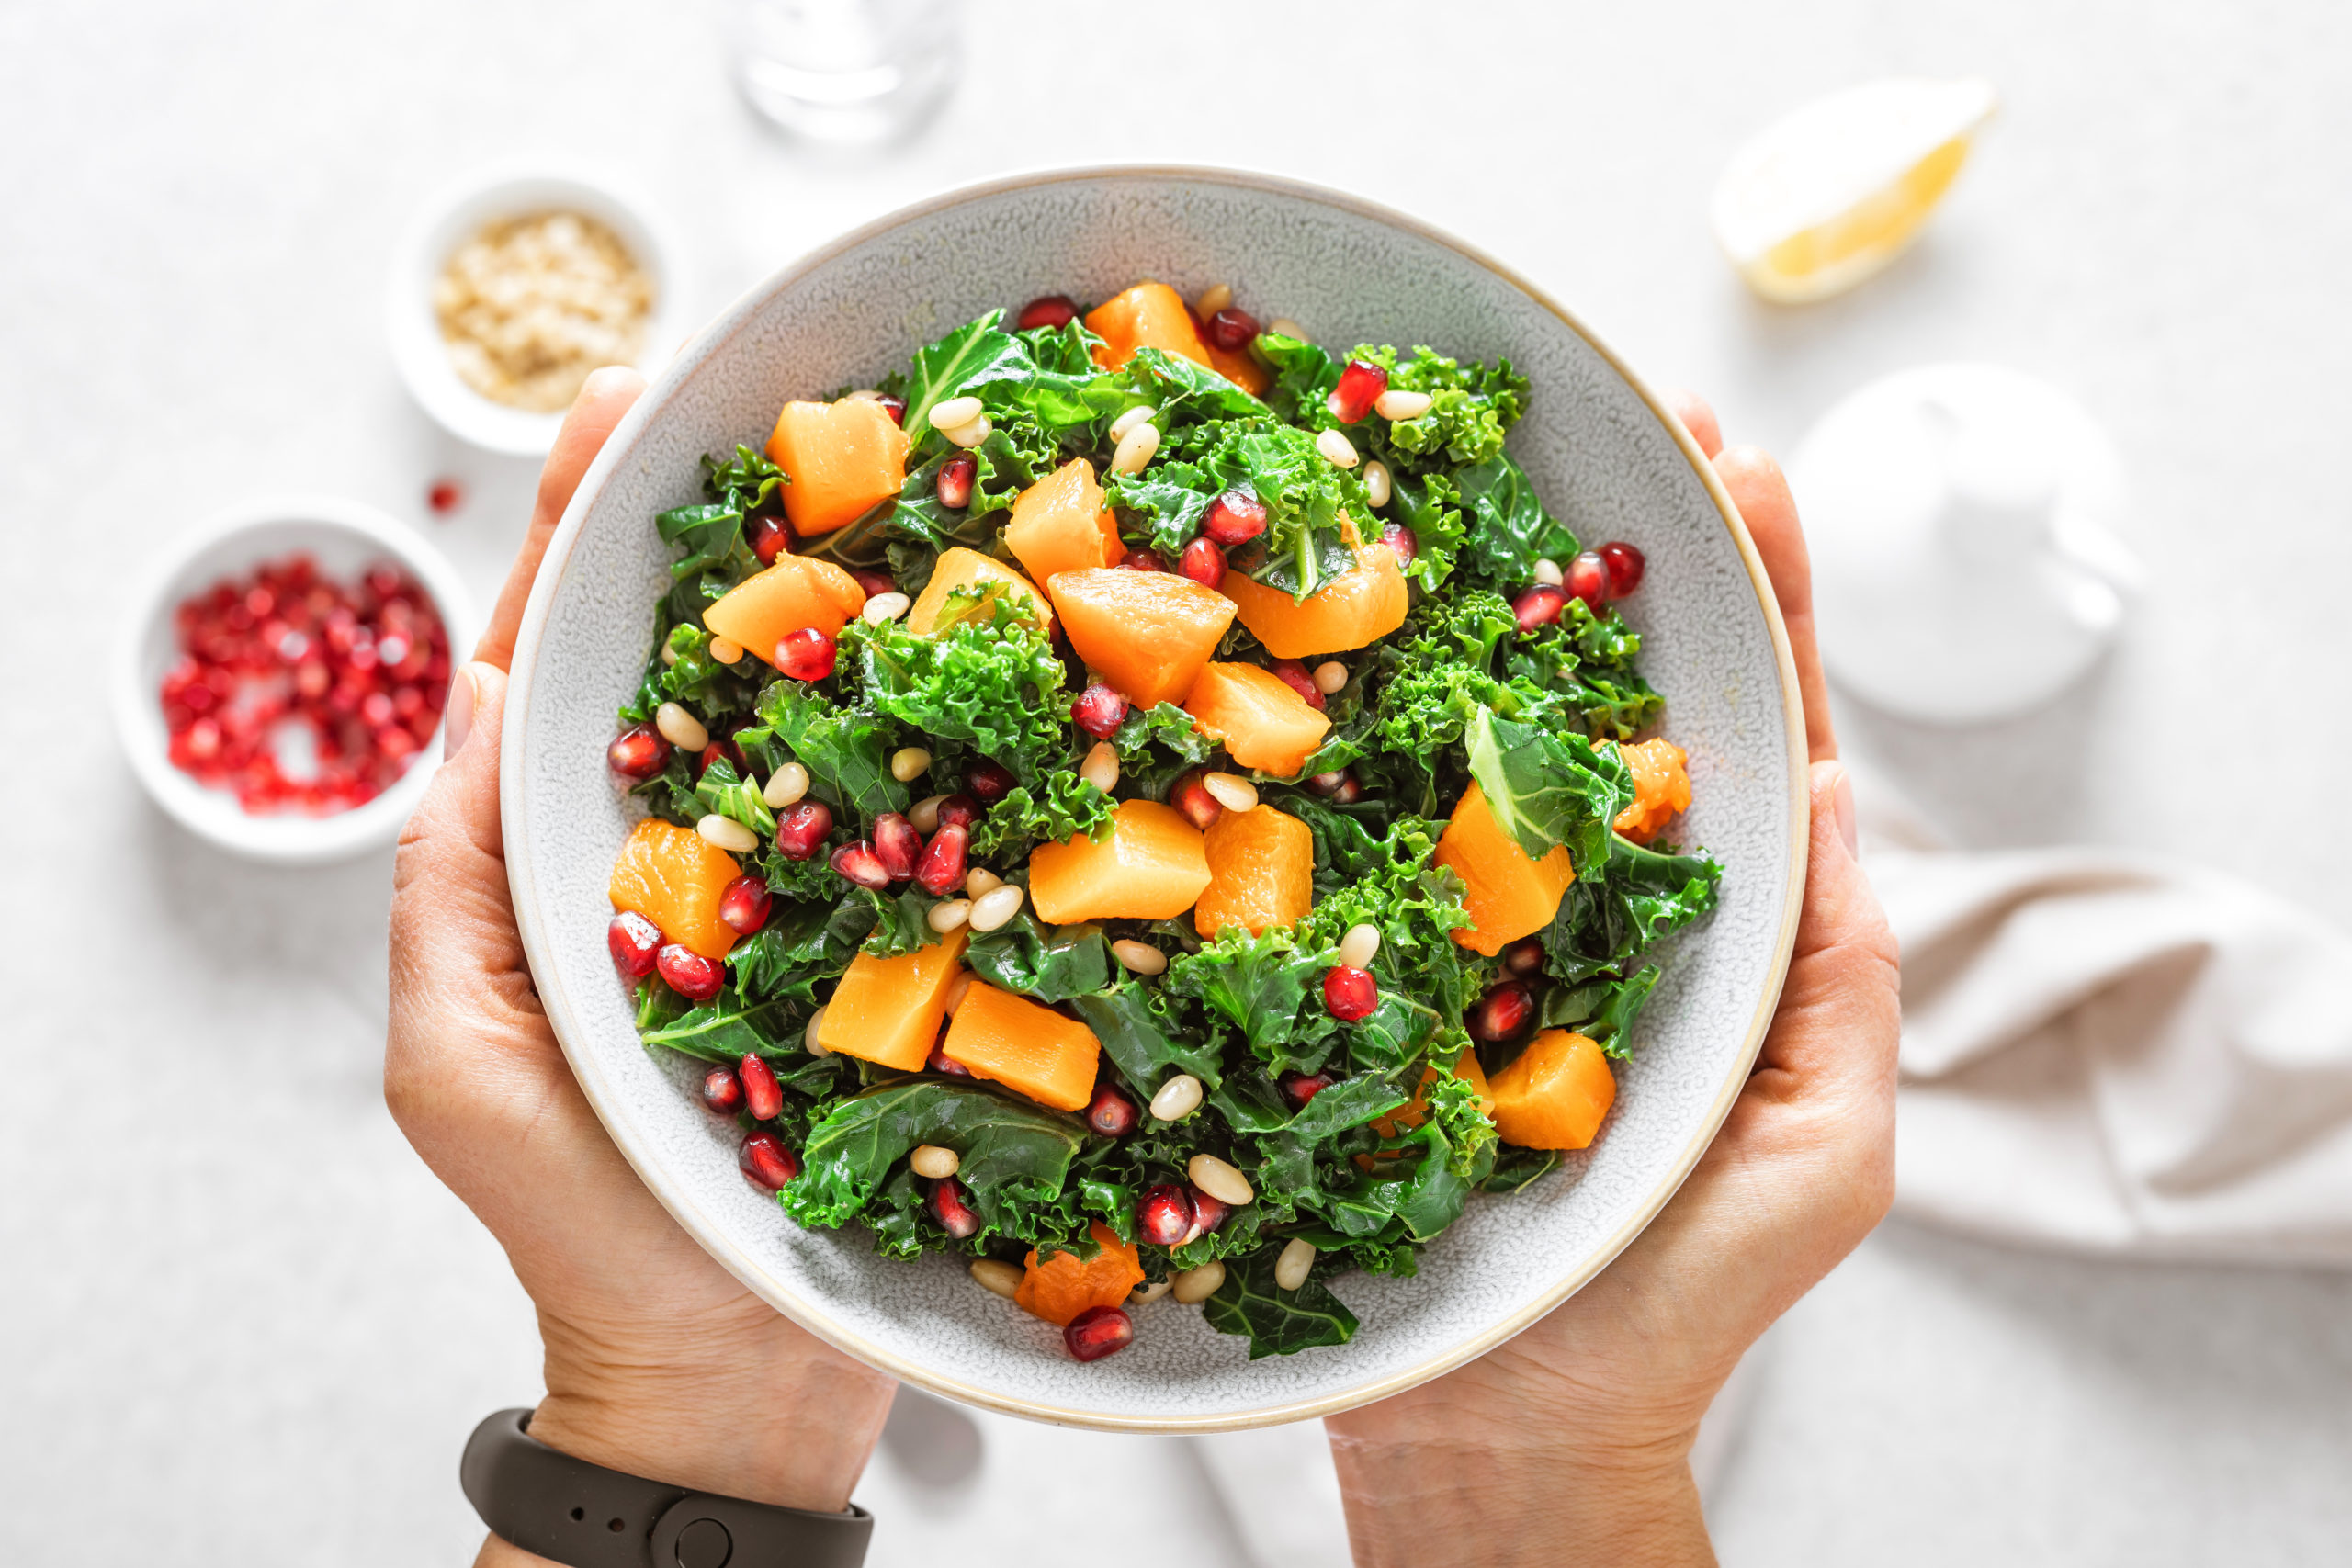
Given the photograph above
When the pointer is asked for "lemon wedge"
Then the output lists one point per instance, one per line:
(1825, 197)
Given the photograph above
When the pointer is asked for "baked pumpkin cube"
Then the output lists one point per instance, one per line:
(958, 568)
(796, 591)
(1661, 787)
(1060, 523)
(1149, 634)
(843, 459)
(1510, 894)
(1261, 872)
(1030, 1050)
(674, 877)
(887, 1011)
(1060, 1287)
(1256, 718)
(1353, 610)
(1556, 1095)
(1150, 868)
(1149, 315)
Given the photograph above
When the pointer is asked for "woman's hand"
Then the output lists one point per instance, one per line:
(1571, 1443)
(659, 1362)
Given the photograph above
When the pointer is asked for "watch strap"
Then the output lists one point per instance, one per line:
(585, 1515)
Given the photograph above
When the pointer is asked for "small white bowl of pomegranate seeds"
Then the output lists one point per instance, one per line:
(279, 681)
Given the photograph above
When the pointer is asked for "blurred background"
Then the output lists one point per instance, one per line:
(242, 1324)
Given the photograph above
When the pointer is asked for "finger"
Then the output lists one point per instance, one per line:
(1698, 419)
(608, 395)
(1761, 493)
(1839, 1006)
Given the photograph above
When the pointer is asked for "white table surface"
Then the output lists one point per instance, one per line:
(240, 1324)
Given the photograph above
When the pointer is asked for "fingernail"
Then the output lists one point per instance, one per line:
(458, 717)
(1842, 803)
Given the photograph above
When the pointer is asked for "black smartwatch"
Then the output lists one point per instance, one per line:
(587, 1516)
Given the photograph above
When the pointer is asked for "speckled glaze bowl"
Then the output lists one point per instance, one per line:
(1606, 456)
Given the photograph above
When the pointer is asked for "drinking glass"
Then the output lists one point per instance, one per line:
(846, 71)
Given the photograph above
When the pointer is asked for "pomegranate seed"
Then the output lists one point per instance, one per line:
(947, 1206)
(1230, 329)
(988, 781)
(805, 655)
(1360, 383)
(1539, 606)
(634, 941)
(1349, 994)
(1097, 1332)
(1202, 562)
(1588, 579)
(958, 811)
(897, 845)
(1143, 560)
(719, 751)
(1207, 1213)
(766, 1161)
(1340, 787)
(688, 972)
(955, 477)
(895, 407)
(860, 864)
(638, 753)
(722, 1091)
(1300, 1088)
(1110, 1113)
(1292, 673)
(801, 829)
(874, 581)
(761, 1091)
(941, 1061)
(942, 866)
(445, 496)
(1625, 565)
(1524, 956)
(1049, 310)
(745, 904)
(1192, 801)
(770, 538)
(1099, 710)
(1503, 1013)
(1401, 540)
(1164, 1218)
(1235, 518)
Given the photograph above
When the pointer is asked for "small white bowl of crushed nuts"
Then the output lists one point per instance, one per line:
(510, 286)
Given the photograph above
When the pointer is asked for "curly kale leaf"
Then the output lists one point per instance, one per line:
(1602, 1009)
(1050, 964)
(693, 678)
(1305, 496)
(1605, 922)
(1546, 787)
(1055, 811)
(1277, 1322)
(738, 799)
(1143, 1035)
(1508, 530)
(994, 683)
(902, 921)
(1268, 986)
(1472, 408)
(804, 946)
(846, 751)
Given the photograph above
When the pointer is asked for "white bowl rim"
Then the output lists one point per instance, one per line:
(710, 1235)
(415, 341)
(291, 839)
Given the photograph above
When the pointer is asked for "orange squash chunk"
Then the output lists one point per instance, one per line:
(1061, 1287)
(674, 877)
(1510, 894)
(887, 1011)
(1060, 523)
(1407, 1117)
(1239, 367)
(1356, 609)
(1260, 720)
(1661, 788)
(843, 458)
(796, 591)
(1029, 1049)
(1554, 1096)
(1148, 633)
(1149, 315)
(1150, 868)
(959, 568)
(1261, 872)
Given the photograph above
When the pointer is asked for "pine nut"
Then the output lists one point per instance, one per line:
(970, 435)
(1231, 790)
(809, 1036)
(948, 914)
(1176, 1098)
(1136, 448)
(1360, 946)
(1139, 957)
(1100, 768)
(1214, 297)
(725, 649)
(727, 834)
(1220, 1180)
(1195, 1286)
(979, 880)
(1330, 677)
(945, 416)
(1288, 328)
(1296, 1261)
(1549, 572)
(909, 763)
(885, 607)
(1399, 403)
(996, 1277)
(997, 906)
(791, 781)
(679, 728)
(1129, 419)
(1376, 486)
(934, 1163)
(925, 814)
(669, 655)
(1337, 449)
(956, 990)
(1144, 1296)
